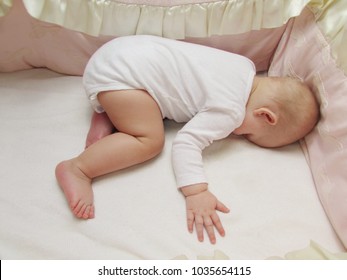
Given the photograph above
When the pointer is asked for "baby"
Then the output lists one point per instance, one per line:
(135, 82)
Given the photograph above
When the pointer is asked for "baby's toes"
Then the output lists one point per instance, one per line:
(82, 214)
(86, 214)
(78, 209)
(91, 212)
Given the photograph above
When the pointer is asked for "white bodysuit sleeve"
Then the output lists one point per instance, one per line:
(197, 134)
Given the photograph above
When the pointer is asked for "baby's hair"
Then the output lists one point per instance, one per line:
(298, 105)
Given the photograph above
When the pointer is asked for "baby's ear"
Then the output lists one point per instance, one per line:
(266, 115)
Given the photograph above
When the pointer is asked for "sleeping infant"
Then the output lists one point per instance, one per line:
(134, 82)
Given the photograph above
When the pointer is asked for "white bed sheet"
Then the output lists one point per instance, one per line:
(44, 118)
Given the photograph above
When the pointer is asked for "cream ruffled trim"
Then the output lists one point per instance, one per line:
(331, 17)
(117, 18)
(5, 5)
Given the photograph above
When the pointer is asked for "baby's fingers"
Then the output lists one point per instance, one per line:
(218, 224)
(208, 222)
(221, 207)
(199, 226)
(190, 221)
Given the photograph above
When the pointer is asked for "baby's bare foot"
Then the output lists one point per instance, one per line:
(77, 189)
(100, 127)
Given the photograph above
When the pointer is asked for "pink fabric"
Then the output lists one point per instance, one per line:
(28, 43)
(304, 52)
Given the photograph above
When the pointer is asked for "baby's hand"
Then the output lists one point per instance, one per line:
(201, 210)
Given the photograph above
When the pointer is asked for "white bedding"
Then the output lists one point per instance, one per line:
(44, 118)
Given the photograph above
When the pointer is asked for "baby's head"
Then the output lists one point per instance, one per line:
(279, 112)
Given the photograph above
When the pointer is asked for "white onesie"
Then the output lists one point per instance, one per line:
(203, 86)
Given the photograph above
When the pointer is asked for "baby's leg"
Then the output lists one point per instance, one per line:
(140, 137)
(100, 127)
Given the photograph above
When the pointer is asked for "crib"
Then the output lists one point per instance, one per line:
(287, 203)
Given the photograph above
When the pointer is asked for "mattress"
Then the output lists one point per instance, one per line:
(140, 214)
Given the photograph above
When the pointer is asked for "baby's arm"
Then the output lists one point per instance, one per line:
(201, 207)
(187, 149)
